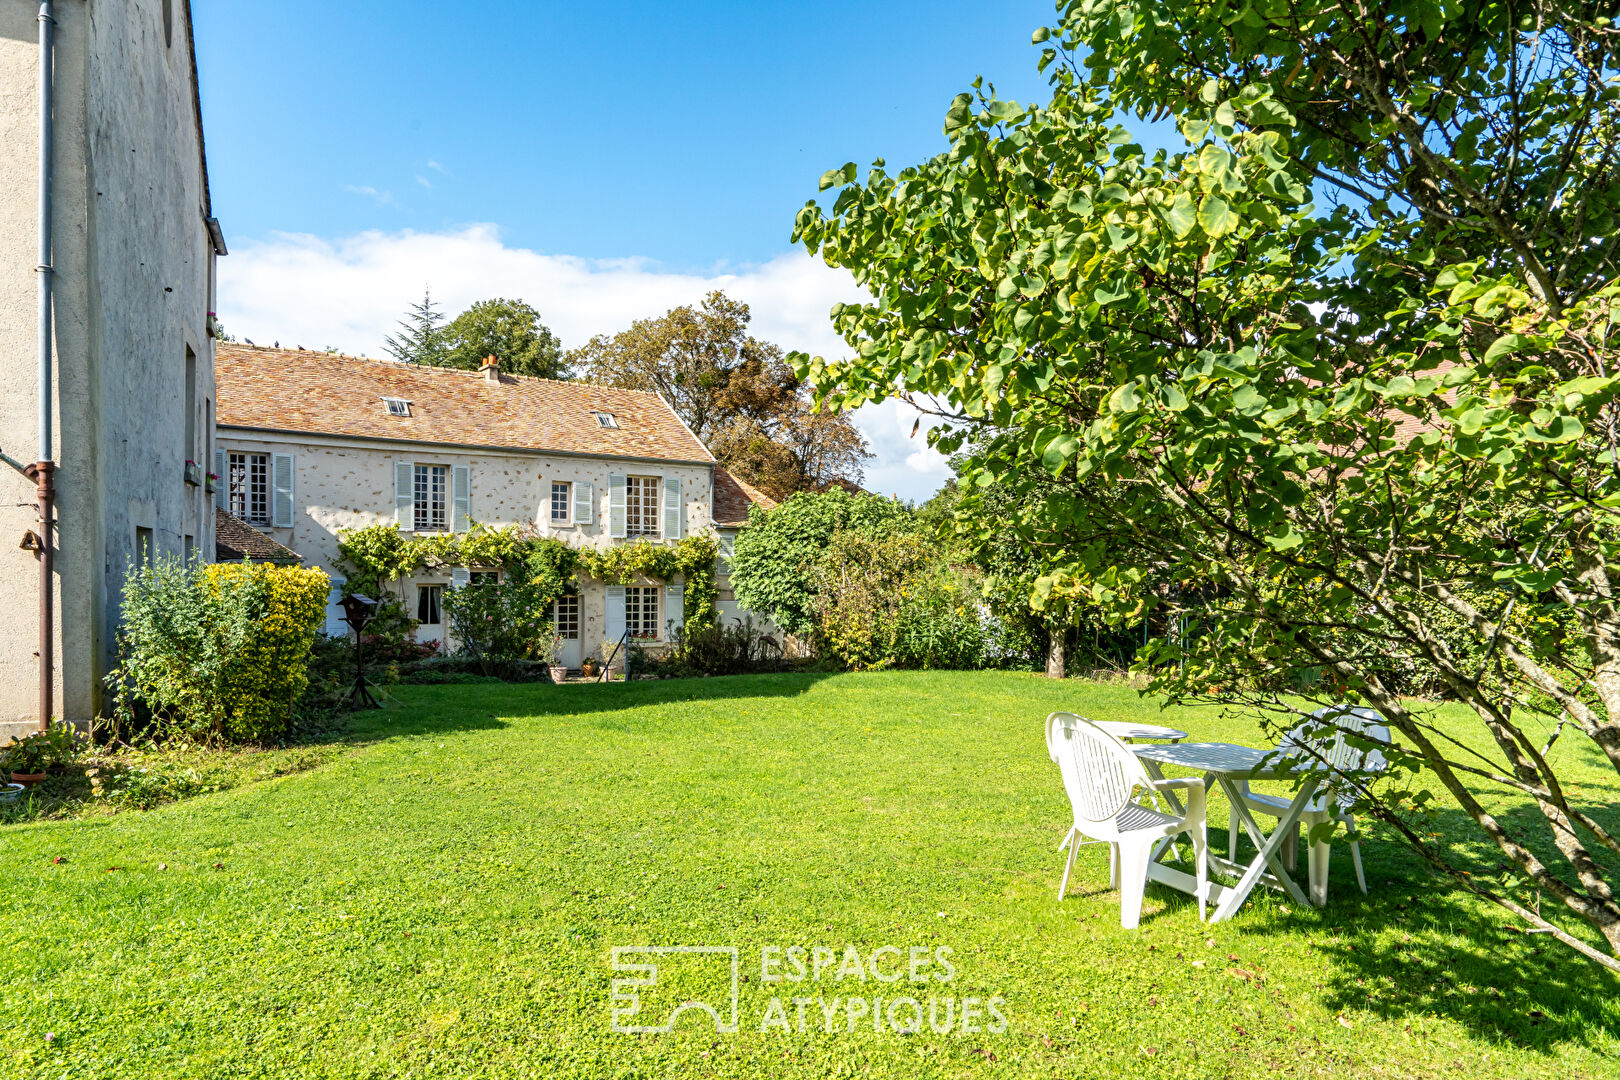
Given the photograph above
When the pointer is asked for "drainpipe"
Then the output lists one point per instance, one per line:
(41, 471)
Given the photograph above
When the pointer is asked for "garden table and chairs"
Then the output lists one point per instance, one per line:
(1299, 757)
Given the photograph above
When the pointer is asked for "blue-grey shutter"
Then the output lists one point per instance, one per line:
(616, 509)
(615, 613)
(335, 626)
(584, 502)
(460, 497)
(674, 508)
(405, 495)
(459, 578)
(222, 482)
(282, 475)
(674, 608)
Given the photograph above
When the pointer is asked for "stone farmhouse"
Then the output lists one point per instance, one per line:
(311, 443)
(107, 249)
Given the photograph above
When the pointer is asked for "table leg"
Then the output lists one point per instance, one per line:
(1267, 855)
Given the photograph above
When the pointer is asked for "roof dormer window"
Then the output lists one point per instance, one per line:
(607, 420)
(397, 406)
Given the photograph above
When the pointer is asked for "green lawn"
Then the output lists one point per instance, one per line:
(443, 899)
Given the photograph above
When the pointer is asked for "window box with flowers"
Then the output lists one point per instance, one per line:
(210, 482)
(194, 473)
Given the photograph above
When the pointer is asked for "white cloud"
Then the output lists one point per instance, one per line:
(436, 167)
(305, 290)
(424, 181)
(381, 198)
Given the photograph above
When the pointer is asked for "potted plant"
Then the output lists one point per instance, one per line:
(558, 672)
(589, 668)
(27, 758)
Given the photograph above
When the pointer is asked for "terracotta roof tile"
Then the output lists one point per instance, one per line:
(330, 394)
(733, 497)
(235, 540)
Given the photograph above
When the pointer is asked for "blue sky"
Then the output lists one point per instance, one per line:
(602, 162)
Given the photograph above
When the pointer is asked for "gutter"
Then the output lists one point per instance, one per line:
(517, 451)
(43, 470)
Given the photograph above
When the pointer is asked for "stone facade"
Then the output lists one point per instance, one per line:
(134, 277)
(344, 483)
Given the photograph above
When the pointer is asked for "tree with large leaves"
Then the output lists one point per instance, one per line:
(1341, 374)
(510, 331)
(736, 392)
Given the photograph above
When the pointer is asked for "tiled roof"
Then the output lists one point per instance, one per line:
(732, 497)
(330, 394)
(235, 540)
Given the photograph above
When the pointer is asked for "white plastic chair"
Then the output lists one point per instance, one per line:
(1102, 777)
(1315, 746)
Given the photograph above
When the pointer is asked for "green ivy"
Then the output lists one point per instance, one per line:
(692, 558)
(376, 554)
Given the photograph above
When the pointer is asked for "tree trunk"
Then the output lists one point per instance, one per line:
(1055, 652)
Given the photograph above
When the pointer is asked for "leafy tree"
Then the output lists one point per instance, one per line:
(736, 393)
(773, 564)
(1345, 363)
(509, 330)
(421, 338)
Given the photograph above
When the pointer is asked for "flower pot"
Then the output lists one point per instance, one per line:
(589, 669)
(559, 673)
(28, 779)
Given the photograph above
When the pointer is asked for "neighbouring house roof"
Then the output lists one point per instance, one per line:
(317, 393)
(733, 497)
(235, 540)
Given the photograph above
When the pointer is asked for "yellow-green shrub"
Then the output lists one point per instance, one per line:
(219, 650)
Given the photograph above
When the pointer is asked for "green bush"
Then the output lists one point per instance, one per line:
(218, 650)
(59, 744)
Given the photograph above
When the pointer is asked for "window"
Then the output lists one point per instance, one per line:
(250, 487)
(191, 405)
(641, 505)
(562, 494)
(190, 548)
(397, 406)
(431, 481)
(607, 420)
(565, 617)
(427, 604)
(484, 577)
(144, 552)
(641, 611)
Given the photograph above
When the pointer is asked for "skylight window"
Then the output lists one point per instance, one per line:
(607, 420)
(397, 406)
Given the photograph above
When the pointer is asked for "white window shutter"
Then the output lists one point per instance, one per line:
(675, 608)
(615, 613)
(584, 502)
(282, 471)
(405, 495)
(460, 497)
(674, 508)
(335, 626)
(222, 485)
(459, 577)
(616, 508)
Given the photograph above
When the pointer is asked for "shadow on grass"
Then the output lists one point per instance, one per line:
(1418, 946)
(478, 706)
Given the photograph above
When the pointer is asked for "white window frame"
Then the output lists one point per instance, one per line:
(248, 480)
(564, 488)
(607, 420)
(436, 607)
(483, 577)
(427, 481)
(643, 622)
(565, 617)
(642, 505)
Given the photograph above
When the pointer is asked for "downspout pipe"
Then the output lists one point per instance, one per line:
(43, 470)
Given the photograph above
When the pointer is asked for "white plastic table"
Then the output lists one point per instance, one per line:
(1226, 764)
(1125, 732)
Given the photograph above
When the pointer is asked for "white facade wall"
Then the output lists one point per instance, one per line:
(344, 483)
(133, 281)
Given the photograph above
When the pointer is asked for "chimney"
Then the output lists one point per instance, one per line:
(490, 369)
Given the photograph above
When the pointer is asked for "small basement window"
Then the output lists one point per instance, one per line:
(607, 420)
(397, 406)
